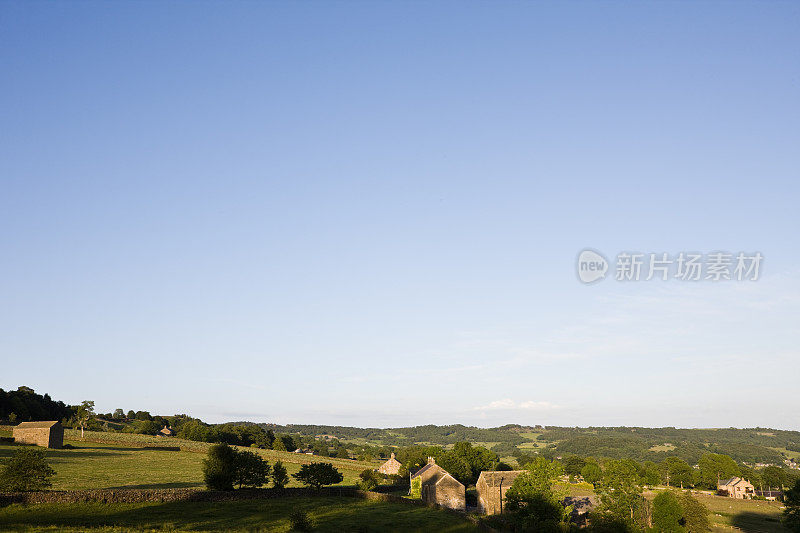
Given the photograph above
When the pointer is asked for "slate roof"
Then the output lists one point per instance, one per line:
(43, 424)
(493, 478)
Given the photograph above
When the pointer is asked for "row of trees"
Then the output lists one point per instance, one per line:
(226, 468)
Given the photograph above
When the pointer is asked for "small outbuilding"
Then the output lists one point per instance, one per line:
(437, 487)
(736, 487)
(390, 467)
(492, 487)
(48, 434)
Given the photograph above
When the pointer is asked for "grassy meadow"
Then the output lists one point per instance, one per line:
(329, 514)
(120, 460)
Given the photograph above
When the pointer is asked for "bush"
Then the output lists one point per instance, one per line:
(26, 470)
(251, 469)
(316, 475)
(300, 521)
(369, 479)
(695, 514)
(219, 468)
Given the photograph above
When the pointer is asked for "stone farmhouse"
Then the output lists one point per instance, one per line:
(46, 434)
(390, 467)
(438, 487)
(492, 487)
(736, 487)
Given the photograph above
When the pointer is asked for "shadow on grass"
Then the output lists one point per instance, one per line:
(332, 514)
(757, 523)
(176, 485)
(71, 454)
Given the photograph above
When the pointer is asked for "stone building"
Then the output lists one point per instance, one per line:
(736, 487)
(47, 434)
(390, 467)
(167, 432)
(492, 487)
(437, 486)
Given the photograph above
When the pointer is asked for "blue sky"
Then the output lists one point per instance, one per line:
(369, 213)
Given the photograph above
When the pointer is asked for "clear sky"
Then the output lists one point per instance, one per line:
(369, 213)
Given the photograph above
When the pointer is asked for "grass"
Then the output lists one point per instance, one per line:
(329, 514)
(746, 515)
(103, 465)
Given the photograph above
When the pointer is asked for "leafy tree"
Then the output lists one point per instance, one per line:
(650, 473)
(695, 514)
(317, 475)
(251, 470)
(131, 415)
(667, 513)
(341, 453)
(12, 418)
(791, 515)
(219, 467)
(675, 471)
(280, 478)
(26, 470)
(84, 413)
(592, 473)
(118, 414)
(533, 502)
(773, 477)
(715, 467)
(457, 466)
(621, 490)
(573, 464)
(369, 479)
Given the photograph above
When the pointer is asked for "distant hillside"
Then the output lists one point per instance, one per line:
(750, 445)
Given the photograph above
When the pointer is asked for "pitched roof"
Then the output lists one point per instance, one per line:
(494, 478)
(424, 469)
(442, 475)
(43, 424)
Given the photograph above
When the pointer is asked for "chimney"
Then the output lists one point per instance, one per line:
(431, 461)
(392, 456)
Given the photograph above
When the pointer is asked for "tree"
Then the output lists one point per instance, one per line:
(695, 514)
(650, 473)
(219, 467)
(280, 478)
(12, 418)
(84, 413)
(715, 467)
(341, 453)
(667, 513)
(27, 470)
(773, 477)
(118, 414)
(251, 469)
(675, 471)
(592, 473)
(791, 515)
(317, 475)
(573, 464)
(621, 490)
(131, 414)
(369, 479)
(532, 501)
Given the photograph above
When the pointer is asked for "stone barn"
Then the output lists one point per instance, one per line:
(46, 434)
(390, 467)
(492, 487)
(736, 487)
(437, 486)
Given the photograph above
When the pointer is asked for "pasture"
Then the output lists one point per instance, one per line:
(329, 514)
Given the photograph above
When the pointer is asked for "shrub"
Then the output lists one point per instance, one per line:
(300, 521)
(26, 470)
(316, 475)
(219, 468)
(369, 479)
(695, 514)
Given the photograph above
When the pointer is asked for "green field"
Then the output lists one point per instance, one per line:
(328, 513)
(104, 465)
